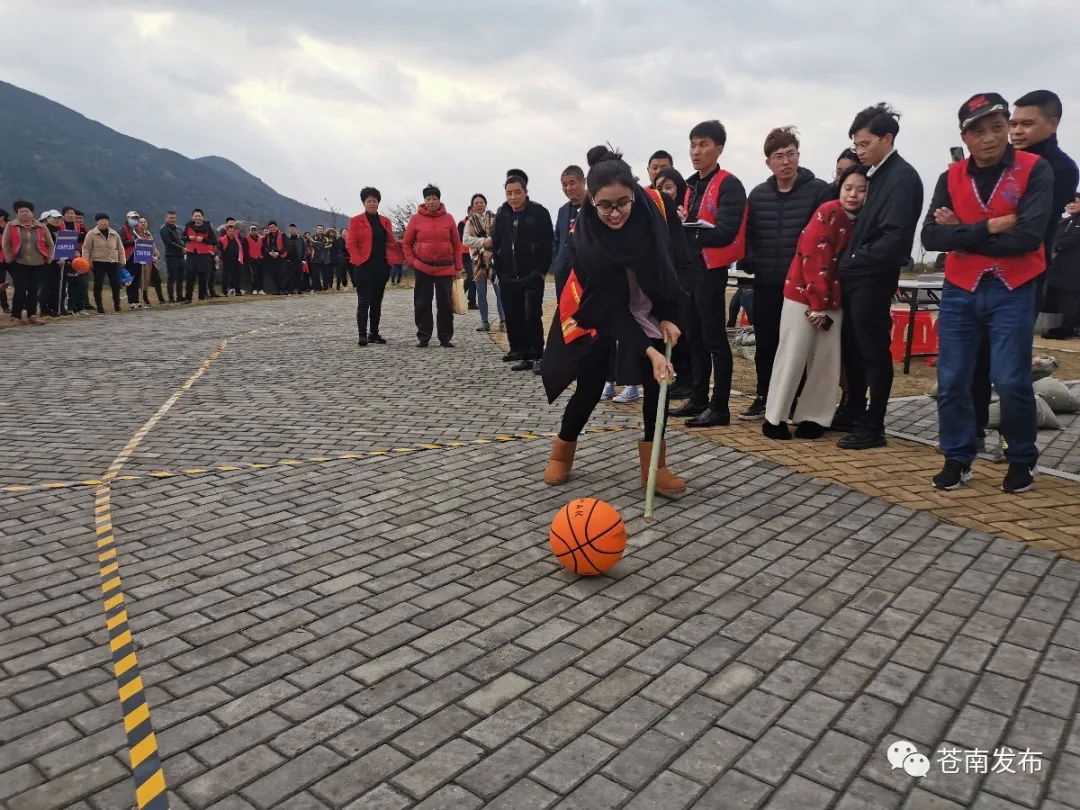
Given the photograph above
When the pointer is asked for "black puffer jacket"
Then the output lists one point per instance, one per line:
(521, 242)
(774, 223)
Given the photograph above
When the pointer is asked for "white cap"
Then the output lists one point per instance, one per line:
(52, 212)
(131, 214)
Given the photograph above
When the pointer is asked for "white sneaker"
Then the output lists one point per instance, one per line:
(231, 292)
(609, 391)
(630, 393)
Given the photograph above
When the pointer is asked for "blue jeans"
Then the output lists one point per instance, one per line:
(482, 300)
(395, 274)
(1007, 318)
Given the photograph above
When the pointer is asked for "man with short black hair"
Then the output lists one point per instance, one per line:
(779, 210)
(231, 250)
(522, 241)
(274, 257)
(870, 271)
(990, 213)
(295, 251)
(253, 254)
(715, 206)
(573, 186)
(200, 244)
(659, 160)
(173, 239)
(78, 298)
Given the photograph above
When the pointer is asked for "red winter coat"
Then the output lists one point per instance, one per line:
(358, 242)
(812, 278)
(432, 243)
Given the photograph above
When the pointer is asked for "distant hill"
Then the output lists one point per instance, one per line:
(56, 157)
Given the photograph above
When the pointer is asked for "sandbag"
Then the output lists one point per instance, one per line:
(1057, 395)
(1043, 366)
(1045, 419)
(932, 393)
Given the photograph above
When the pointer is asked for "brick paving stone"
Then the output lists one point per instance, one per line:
(347, 620)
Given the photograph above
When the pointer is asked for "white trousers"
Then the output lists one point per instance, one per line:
(803, 347)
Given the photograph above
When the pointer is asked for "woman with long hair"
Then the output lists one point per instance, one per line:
(477, 237)
(627, 244)
(148, 278)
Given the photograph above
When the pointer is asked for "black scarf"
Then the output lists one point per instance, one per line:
(600, 258)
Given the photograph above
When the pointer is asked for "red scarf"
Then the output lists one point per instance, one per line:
(16, 240)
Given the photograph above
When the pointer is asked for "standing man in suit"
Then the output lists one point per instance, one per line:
(573, 186)
(870, 270)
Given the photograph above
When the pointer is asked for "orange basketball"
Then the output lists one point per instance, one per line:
(588, 537)
(80, 265)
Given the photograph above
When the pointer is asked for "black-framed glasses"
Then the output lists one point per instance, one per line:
(605, 208)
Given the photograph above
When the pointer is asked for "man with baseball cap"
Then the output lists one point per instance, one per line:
(990, 214)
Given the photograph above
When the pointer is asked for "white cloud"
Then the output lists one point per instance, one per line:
(396, 95)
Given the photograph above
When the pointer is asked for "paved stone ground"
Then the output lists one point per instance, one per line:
(1058, 449)
(390, 631)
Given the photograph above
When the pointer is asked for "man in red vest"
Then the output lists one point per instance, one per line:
(990, 212)
(715, 206)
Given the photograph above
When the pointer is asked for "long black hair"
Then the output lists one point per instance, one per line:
(676, 177)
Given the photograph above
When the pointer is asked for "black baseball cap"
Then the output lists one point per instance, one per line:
(981, 105)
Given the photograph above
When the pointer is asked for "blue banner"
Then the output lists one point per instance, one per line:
(67, 245)
(144, 251)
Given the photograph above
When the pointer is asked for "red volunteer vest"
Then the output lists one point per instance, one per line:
(280, 243)
(730, 253)
(254, 247)
(16, 239)
(224, 245)
(126, 233)
(193, 246)
(965, 269)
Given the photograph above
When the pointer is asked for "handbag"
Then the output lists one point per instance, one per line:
(457, 297)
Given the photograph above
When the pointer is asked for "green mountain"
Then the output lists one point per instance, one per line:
(58, 157)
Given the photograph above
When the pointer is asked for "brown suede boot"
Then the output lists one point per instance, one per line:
(667, 483)
(562, 459)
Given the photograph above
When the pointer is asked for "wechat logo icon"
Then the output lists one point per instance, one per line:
(902, 754)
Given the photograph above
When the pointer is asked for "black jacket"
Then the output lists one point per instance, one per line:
(322, 249)
(521, 242)
(339, 253)
(1032, 213)
(295, 248)
(1065, 267)
(885, 229)
(173, 239)
(776, 221)
(1066, 178)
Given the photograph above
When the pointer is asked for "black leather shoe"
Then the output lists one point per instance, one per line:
(710, 418)
(537, 370)
(362, 341)
(423, 344)
(862, 440)
(511, 357)
(377, 339)
(809, 430)
(447, 345)
(688, 408)
(679, 393)
(771, 431)
(843, 422)
(755, 411)
(524, 365)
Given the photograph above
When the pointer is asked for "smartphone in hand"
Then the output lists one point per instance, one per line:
(956, 153)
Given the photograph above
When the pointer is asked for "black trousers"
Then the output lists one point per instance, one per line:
(523, 304)
(233, 278)
(710, 352)
(866, 336)
(273, 270)
(341, 270)
(174, 266)
(424, 288)
(370, 283)
(327, 271)
(135, 268)
(294, 272)
(53, 289)
(211, 277)
(590, 387)
(27, 280)
(198, 267)
(101, 270)
(768, 304)
(255, 273)
(78, 300)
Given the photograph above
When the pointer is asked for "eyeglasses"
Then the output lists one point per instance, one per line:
(605, 208)
(790, 156)
(864, 146)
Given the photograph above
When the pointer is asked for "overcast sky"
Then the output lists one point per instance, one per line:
(319, 99)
